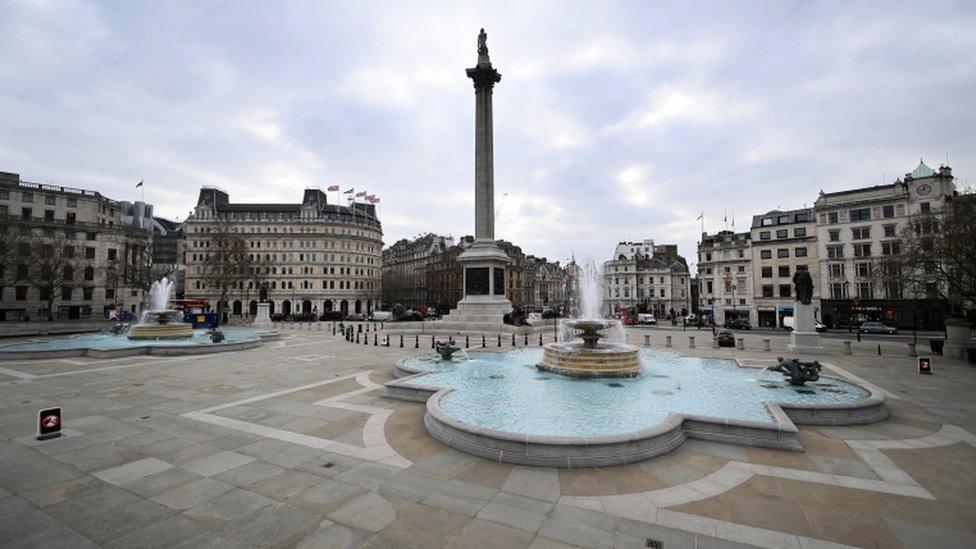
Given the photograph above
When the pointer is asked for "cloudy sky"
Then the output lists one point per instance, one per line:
(613, 120)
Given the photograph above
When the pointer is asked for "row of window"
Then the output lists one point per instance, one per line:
(863, 233)
(67, 293)
(49, 200)
(799, 251)
(836, 251)
(783, 233)
(304, 285)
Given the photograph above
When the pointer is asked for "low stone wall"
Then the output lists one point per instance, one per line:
(622, 448)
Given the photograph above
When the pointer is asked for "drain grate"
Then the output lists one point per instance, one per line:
(328, 464)
(655, 543)
(615, 384)
(145, 417)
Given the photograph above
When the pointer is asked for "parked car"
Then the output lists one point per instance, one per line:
(789, 322)
(738, 324)
(876, 328)
(410, 316)
(304, 317)
(550, 313)
(725, 338)
(691, 319)
(534, 318)
(331, 316)
(355, 317)
(646, 319)
(278, 317)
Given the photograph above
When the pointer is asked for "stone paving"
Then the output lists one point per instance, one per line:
(293, 445)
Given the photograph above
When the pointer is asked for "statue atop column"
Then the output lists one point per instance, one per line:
(803, 285)
(482, 43)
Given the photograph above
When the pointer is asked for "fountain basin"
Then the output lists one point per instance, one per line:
(497, 406)
(603, 360)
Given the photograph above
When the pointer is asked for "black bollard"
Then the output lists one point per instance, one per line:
(513, 340)
(333, 328)
(499, 340)
(540, 340)
(376, 340)
(367, 328)
(416, 342)
(483, 340)
(365, 339)
(357, 337)
(359, 328)
(401, 340)
(526, 340)
(431, 342)
(466, 342)
(879, 349)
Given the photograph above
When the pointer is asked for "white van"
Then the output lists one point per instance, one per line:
(646, 319)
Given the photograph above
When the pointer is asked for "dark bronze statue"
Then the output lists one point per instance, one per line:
(263, 292)
(803, 285)
(482, 42)
(797, 372)
(446, 348)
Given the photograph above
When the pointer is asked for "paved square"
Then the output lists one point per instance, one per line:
(294, 444)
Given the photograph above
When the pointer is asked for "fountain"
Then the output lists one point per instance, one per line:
(585, 356)
(159, 321)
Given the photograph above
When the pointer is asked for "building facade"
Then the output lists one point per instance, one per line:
(782, 242)
(445, 274)
(856, 229)
(70, 253)
(405, 268)
(169, 253)
(647, 278)
(725, 277)
(314, 257)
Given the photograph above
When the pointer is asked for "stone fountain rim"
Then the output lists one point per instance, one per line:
(629, 447)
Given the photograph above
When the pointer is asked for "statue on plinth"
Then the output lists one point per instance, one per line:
(803, 285)
(263, 293)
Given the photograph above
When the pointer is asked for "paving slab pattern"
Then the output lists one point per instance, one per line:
(253, 448)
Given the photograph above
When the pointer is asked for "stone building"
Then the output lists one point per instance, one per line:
(405, 267)
(725, 277)
(647, 278)
(855, 230)
(83, 254)
(314, 256)
(546, 284)
(782, 242)
(169, 253)
(445, 274)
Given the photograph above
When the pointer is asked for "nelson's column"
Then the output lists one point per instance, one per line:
(484, 262)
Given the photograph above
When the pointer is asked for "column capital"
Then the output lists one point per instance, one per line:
(484, 76)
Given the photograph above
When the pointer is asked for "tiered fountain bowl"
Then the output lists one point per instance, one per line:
(591, 358)
(161, 324)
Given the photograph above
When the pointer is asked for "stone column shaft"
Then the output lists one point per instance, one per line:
(484, 168)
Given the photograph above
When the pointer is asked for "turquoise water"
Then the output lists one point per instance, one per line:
(505, 391)
(109, 341)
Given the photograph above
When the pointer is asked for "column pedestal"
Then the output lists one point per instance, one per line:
(804, 339)
(263, 317)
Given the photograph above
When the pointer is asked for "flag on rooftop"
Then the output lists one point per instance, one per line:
(361, 194)
(333, 187)
(350, 191)
(139, 184)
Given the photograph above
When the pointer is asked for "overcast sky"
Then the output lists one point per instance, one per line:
(613, 121)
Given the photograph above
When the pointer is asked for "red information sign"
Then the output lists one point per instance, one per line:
(924, 365)
(48, 423)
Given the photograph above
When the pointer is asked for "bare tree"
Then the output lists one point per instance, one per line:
(228, 265)
(54, 264)
(935, 256)
(13, 245)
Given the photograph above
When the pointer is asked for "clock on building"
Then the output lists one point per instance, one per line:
(923, 189)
